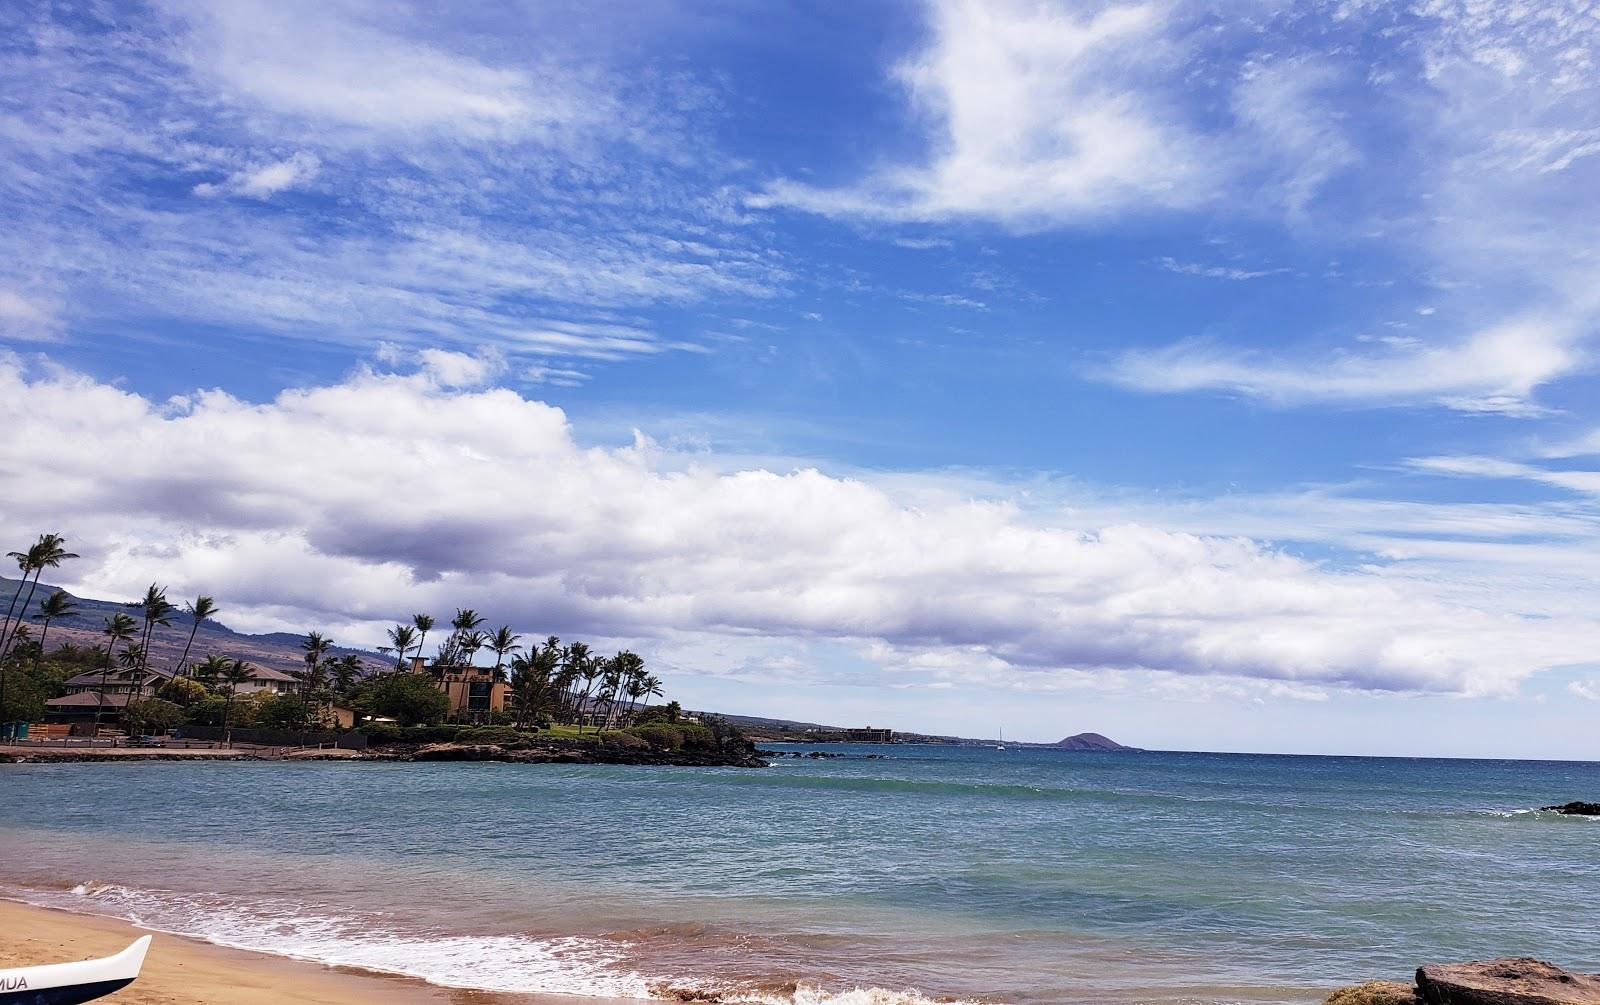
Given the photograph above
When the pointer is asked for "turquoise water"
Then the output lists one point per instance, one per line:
(963, 873)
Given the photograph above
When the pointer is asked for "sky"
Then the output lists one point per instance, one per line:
(1209, 375)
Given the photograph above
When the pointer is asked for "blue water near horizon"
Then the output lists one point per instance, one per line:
(1028, 875)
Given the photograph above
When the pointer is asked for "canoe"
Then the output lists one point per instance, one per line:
(70, 983)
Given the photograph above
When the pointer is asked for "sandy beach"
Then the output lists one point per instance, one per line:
(182, 971)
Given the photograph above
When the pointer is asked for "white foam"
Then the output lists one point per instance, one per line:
(566, 965)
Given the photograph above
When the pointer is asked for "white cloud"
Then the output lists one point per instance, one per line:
(1588, 690)
(365, 500)
(1494, 467)
(1038, 114)
(1217, 271)
(265, 180)
(1495, 370)
(342, 64)
(27, 318)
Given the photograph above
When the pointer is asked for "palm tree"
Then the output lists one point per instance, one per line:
(502, 643)
(423, 623)
(210, 669)
(119, 628)
(316, 648)
(203, 609)
(25, 564)
(650, 685)
(346, 670)
(234, 673)
(47, 553)
(402, 638)
(57, 605)
(156, 611)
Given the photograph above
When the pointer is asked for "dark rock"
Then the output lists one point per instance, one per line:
(1518, 981)
(1575, 809)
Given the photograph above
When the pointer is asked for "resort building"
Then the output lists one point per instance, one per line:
(475, 692)
(117, 686)
(869, 734)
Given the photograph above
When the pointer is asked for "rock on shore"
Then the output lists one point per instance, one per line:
(1511, 981)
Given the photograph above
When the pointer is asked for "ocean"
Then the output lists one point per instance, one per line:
(928, 873)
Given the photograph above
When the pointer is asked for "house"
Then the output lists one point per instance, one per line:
(268, 681)
(110, 692)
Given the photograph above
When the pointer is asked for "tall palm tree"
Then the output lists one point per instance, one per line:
(24, 560)
(119, 628)
(345, 670)
(156, 611)
(203, 609)
(234, 673)
(57, 605)
(402, 638)
(47, 553)
(423, 623)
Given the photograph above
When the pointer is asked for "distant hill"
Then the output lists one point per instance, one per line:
(275, 651)
(1089, 741)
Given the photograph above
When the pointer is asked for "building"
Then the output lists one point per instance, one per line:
(268, 681)
(110, 692)
(475, 693)
(869, 734)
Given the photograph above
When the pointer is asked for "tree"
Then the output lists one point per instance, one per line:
(408, 698)
(203, 609)
(150, 716)
(156, 611)
(401, 639)
(47, 553)
(502, 643)
(345, 670)
(183, 691)
(118, 628)
(316, 648)
(423, 623)
(236, 673)
(52, 608)
(208, 670)
(651, 687)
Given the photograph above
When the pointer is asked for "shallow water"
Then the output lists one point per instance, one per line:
(965, 873)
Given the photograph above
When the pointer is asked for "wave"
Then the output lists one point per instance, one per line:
(566, 965)
(1531, 814)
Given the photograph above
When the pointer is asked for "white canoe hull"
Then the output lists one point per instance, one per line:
(70, 983)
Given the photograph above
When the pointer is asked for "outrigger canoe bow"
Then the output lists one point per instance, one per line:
(71, 983)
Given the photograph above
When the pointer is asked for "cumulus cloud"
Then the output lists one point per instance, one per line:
(364, 500)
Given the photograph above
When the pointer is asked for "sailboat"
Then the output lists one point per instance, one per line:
(1002, 744)
(71, 983)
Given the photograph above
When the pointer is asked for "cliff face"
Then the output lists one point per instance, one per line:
(1091, 741)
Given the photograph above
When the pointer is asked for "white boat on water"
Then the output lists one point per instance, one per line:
(70, 983)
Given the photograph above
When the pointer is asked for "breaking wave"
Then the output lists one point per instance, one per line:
(566, 965)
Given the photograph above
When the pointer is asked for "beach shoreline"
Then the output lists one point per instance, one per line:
(181, 970)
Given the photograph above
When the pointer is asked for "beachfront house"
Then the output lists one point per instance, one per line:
(110, 692)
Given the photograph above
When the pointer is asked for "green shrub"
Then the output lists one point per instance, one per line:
(151, 715)
(501, 735)
(660, 735)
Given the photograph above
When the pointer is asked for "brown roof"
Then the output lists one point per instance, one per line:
(86, 699)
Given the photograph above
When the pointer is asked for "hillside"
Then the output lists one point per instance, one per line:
(275, 651)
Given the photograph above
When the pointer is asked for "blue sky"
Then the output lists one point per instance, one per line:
(1206, 374)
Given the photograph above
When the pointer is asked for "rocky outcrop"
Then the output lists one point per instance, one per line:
(1578, 809)
(1517, 981)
